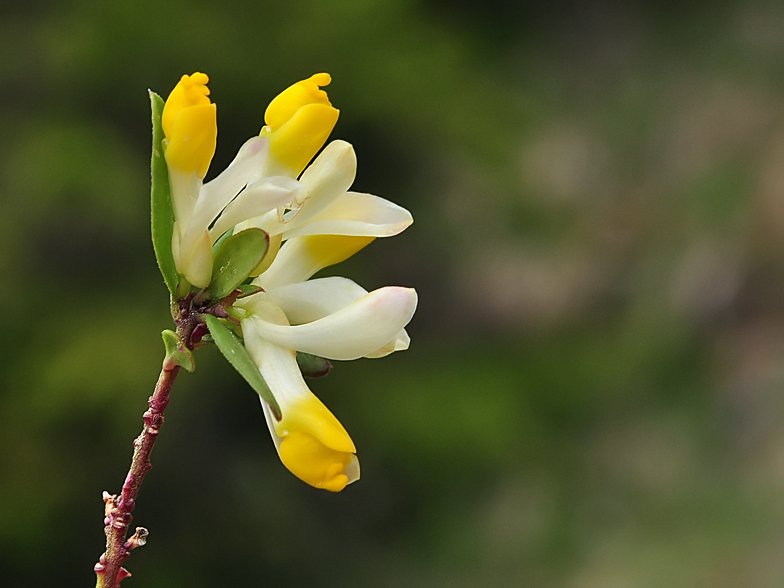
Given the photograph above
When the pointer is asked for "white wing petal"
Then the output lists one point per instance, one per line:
(305, 302)
(358, 329)
(356, 214)
(399, 343)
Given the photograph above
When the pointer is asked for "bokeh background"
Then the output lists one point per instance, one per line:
(594, 394)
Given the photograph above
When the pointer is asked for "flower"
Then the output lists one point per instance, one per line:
(330, 317)
(313, 221)
(190, 130)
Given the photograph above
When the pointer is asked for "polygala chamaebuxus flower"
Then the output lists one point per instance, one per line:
(312, 220)
(332, 318)
(190, 129)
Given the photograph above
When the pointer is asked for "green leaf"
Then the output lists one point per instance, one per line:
(313, 366)
(162, 211)
(234, 351)
(234, 261)
(176, 351)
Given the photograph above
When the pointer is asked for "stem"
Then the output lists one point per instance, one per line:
(118, 509)
(109, 570)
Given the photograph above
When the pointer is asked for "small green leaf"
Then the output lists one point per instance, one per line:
(234, 261)
(313, 366)
(176, 351)
(162, 212)
(234, 351)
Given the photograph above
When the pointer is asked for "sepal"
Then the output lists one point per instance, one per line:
(313, 366)
(162, 211)
(221, 239)
(248, 290)
(234, 261)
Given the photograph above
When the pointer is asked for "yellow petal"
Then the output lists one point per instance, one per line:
(308, 414)
(189, 91)
(193, 140)
(314, 463)
(299, 121)
(190, 125)
(289, 101)
(332, 249)
(311, 442)
(301, 257)
(315, 447)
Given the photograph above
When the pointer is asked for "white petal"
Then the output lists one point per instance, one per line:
(357, 214)
(278, 367)
(270, 418)
(176, 246)
(216, 194)
(267, 222)
(356, 330)
(185, 193)
(198, 266)
(304, 302)
(272, 370)
(294, 263)
(329, 176)
(257, 199)
(399, 343)
(280, 372)
(333, 171)
(352, 470)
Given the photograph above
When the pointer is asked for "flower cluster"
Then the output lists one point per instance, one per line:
(312, 221)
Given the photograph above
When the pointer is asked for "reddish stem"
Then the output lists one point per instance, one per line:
(109, 570)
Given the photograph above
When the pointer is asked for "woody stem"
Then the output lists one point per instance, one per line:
(109, 570)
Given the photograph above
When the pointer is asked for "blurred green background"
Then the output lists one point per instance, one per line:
(593, 394)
